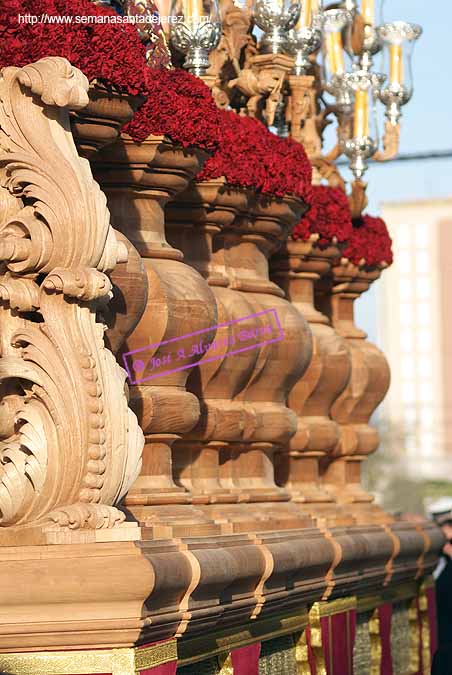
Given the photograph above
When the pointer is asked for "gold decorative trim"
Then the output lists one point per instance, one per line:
(334, 606)
(428, 582)
(425, 626)
(197, 649)
(127, 661)
(316, 639)
(320, 610)
(155, 655)
(225, 663)
(375, 643)
(301, 655)
(413, 618)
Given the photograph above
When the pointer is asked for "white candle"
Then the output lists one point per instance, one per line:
(305, 14)
(395, 64)
(368, 11)
(361, 119)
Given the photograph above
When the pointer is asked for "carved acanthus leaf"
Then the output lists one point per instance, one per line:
(72, 447)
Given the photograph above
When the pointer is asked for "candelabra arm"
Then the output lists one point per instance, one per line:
(391, 143)
(327, 170)
(358, 198)
(343, 132)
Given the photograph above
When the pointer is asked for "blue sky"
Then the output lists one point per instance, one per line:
(426, 124)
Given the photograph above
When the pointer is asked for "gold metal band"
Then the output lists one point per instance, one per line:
(127, 661)
(413, 618)
(333, 607)
(425, 626)
(376, 650)
(301, 655)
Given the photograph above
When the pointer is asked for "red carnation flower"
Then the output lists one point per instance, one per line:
(110, 52)
(369, 241)
(179, 106)
(250, 156)
(329, 216)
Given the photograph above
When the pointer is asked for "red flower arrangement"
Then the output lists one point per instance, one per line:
(109, 52)
(329, 216)
(369, 241)
(251, 156)
(179, 106)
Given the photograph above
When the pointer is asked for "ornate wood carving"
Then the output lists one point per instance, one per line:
(262, 82)
(304, 123)
(70, 446)
(358, 198)
(226, 59)
(391, 143)
(235, 549)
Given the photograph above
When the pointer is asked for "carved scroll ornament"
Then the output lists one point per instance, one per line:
(69, 445)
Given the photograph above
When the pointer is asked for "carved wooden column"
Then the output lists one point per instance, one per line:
(297, 267)
(302, 113)
(70, 446)
(139, 179)
(262, 81)
(367, 387)
(248, 243)
(195, 221)
(235, 27)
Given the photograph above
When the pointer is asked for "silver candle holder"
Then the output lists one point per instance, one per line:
(305, 41)
(196, 43)
(396, 94)
(360, 147)
(276, 20)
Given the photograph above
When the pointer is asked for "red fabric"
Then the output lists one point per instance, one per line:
(338, 637)
(311, 657)
(431, 599)
(385, 616)
(246, 659)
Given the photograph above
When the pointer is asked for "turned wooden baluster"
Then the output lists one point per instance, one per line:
(195, 220)
(296, 268)
(248, 243)
(367, 387)
(139, 179)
